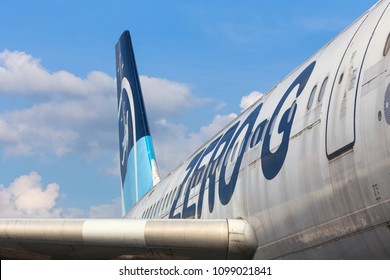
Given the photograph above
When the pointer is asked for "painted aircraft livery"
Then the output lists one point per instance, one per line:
(301, 174)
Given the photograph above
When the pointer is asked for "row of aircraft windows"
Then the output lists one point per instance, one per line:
(320, 95)
(323, 86)
(161, 206)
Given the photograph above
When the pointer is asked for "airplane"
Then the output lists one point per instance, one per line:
(301, 174)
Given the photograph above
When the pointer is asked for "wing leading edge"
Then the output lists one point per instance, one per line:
(127, 239)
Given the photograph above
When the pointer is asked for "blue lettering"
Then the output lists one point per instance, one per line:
(272, 162)
(214, 162)
(190, 168)
(226, 189)
(258, 133)
(189, 211)
(205, 173)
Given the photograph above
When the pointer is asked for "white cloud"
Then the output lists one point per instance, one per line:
(248, 100)
(83, 126)
(73, 213)
(105, 211)
(114, 168)
(321, 24)
(27, 197)
(23, 74)
(174, 142)
(165, 98)
(218, 123)
(220, 106)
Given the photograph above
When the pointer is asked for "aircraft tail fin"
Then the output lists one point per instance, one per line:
(138, 166)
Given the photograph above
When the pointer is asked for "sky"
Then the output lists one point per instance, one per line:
(201, 63)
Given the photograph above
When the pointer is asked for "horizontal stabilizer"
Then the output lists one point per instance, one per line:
(123, 238)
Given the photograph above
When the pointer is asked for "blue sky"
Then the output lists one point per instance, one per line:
(198, 60)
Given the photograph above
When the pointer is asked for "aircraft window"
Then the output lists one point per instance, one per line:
(271, 126)
(311, 98)
(199, 176)
(250, 140)
(242, 146)
(170, 198)
(264, 131)
(226, 159)
(322, 90)
(255, 138)
(152, 210)
(387, 46)
(341, 78)
(148, 212)
(174, 195)
(165, 201)
(158, 208)
(161, 205)
(234, 152)
(292, 109)
(214, 167)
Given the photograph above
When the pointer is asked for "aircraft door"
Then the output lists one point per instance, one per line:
(340, 123)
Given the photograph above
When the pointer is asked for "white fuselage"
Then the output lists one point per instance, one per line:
(308, 165)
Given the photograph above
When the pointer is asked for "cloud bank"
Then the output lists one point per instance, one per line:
(27, 197)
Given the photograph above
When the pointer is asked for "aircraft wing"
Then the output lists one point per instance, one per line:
(126, 239)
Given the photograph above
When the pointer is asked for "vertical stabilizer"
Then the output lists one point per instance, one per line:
(137, 160)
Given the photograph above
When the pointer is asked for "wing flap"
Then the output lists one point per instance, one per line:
(119, 238)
